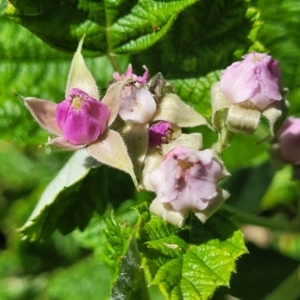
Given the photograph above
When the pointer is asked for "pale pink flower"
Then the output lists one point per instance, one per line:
(187, 180)
(249, 90)
(256, 78)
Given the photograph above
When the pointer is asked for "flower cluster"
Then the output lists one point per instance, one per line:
(137, 128)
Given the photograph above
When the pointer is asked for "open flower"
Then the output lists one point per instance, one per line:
(249, 89)
(187, 180)
(81, 118)
(285, 148)
(82, 121)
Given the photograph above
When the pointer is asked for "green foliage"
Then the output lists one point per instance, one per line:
(113, 241)
(280, 35)
(189, 263)
(87, 279)
(111, 27)
(69, 199)
(208, 36)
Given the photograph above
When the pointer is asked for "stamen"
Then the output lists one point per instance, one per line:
(185, 164)
(256, 58)
(76, 102)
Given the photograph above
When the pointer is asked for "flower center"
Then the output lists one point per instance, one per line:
(184, 164)
(256, 58)
(76, 102)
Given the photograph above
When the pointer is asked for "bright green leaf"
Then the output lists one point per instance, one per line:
(189, 263)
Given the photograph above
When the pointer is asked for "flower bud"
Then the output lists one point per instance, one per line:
(257, 78)
(160, 133)
(81, 118)
(286, 149)
(248, 90)
(137, 105)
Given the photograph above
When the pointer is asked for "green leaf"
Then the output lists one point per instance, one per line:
(69, 200)
(130, 283)
(208, 36)
(288, 289)
(114, 243)
(196, 91)
(189, 263)
(110, 26)
(124, 258)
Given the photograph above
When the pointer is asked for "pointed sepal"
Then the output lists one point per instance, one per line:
(112, 98)
(111, 150)
(80, 77)
(43, 111)
(172, 109)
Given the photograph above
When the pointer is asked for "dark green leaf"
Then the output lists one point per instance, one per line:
(110, 26)
(206, 37)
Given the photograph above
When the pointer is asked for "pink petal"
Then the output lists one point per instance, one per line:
(138, 106)
(238, 82)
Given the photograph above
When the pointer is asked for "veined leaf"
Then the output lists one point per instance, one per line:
(207, 36)
(189, 263)
(110, 26)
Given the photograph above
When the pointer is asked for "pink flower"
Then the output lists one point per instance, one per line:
(81, 118)
(187, 180)
(82, 121)
(257, 78)
(248, 90)
(286, 150)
